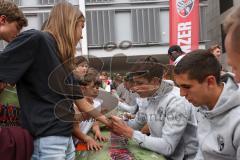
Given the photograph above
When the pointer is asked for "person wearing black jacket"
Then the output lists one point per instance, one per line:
(41, 64)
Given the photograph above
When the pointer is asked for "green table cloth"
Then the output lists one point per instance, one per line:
(137, 152)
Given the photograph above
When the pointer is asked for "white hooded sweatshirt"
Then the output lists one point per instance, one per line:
(172, 124)
(219, 129)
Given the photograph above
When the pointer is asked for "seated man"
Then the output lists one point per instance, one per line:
(198, 76)
(169, 116)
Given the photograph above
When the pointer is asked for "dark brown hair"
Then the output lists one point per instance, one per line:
(198, 65)
(13, 13)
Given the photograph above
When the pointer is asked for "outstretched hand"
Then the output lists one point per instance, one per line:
(120, 127)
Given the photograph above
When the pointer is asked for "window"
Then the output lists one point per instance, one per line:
(98, 1)
(48, 2)
(43, 18)
(51, 2)
(164, 26)
(225, 5)
(223, 34)
(123, 32)
(202, 23)
(100, 27)
(17, 2)
(145, 25)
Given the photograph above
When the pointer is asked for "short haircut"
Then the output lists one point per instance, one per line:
(174, 52)
(175, 48)
(148, 68)
(198, 65)
(91, 76)
(13, 13)
(214, 46)
(104, 73)
(80, 59)
(232, 24)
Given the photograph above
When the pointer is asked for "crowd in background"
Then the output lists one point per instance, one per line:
(185, 110)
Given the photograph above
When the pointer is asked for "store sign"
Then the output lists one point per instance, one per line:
(184, 24)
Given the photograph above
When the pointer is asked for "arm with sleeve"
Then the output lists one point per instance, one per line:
(138, 122)
(128, 108)
(174, 126)
(16, 58)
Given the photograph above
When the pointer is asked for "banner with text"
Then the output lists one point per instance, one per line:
(184, 24)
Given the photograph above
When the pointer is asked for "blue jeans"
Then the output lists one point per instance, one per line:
(53, 148)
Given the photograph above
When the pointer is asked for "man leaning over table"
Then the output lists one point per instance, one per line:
(169, 116)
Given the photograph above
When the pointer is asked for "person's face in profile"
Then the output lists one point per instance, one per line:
(217, 53)
(174, 55)
(78, 30)
(8, 30)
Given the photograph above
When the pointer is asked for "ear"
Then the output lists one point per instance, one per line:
(3, 19)
(82, 88)
(211, 81)
(155, 80)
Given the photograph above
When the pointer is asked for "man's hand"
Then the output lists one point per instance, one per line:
(121, 128)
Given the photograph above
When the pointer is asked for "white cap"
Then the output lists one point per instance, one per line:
(178, 59)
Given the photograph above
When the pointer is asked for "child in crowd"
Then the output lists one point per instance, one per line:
(90, 89)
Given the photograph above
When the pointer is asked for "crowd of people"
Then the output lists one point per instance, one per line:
(187, 110)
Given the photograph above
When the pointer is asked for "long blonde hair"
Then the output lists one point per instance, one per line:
(62, 23)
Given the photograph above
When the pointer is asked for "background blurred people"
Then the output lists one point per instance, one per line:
(106, 82)
(216, 50)
(175, 53)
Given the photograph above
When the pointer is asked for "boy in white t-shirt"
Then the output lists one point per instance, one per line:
(89, 87)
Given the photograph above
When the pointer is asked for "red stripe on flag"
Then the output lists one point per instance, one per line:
(184, 24)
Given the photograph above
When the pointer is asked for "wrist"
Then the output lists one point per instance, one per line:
(130, 133)
(86, 139)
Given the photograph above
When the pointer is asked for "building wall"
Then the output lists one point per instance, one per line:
(132, 27)
(146, 26)
(215, 20)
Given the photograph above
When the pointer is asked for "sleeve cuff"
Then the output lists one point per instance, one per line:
(138, 137)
